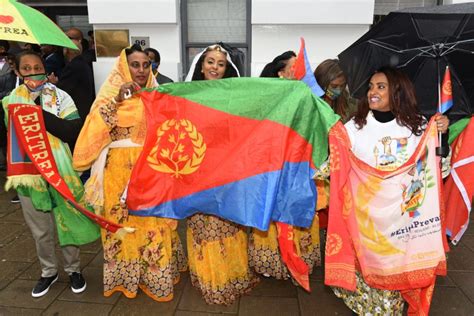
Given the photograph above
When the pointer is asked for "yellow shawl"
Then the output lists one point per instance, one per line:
(95, 134)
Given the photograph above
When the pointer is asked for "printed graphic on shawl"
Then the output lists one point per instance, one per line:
(386, 221)
(414, 194)
(391, 153)
(18, 161)
(396, 209)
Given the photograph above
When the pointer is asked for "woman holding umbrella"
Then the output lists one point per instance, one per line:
(384, 133)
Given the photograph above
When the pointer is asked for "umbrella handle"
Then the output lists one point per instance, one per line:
(441, 150)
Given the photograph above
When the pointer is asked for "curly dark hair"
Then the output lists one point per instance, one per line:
(278, 63)
(230, 72)
(402, 100)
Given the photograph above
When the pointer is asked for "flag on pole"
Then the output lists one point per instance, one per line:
(304, 73)
(446, 92)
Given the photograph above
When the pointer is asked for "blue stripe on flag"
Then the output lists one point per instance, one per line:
(287, 195)
(446, 105)
(309, 78)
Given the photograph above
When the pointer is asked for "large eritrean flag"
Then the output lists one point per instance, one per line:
(244, 149)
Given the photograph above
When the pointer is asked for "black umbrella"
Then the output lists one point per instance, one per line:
(422, 42)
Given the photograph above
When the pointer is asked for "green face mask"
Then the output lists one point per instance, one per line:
(35, 82)
(333, 94)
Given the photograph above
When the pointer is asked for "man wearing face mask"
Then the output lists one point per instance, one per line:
(155, 59)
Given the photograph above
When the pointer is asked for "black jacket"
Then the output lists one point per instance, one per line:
(78, 81)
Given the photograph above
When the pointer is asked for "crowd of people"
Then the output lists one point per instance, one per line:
(104, 133)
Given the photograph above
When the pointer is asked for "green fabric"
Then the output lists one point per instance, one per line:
(457, 128)
(248, 97)
(73, 227)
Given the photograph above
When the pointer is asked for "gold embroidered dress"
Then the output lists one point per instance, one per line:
(264, 253)
(151, 257)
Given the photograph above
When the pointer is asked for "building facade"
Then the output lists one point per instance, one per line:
(262, 29)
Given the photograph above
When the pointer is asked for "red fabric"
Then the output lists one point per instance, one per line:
(18, 162)
(299, 66)
(323, 218)
(298, 268)
(29, 126)
(457, 211)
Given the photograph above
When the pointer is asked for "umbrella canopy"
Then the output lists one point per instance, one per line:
(19, 22)
(422, 42)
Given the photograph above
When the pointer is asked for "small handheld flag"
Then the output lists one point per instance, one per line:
(446, 92)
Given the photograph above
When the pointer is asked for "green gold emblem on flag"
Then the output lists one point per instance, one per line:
(179, 148)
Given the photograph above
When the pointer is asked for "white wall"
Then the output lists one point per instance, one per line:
(328, 27)
(312, 11)
(322, 41)
(157, 19)
(133, 11)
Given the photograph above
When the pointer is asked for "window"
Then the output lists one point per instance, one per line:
(384, 7)
(81, 22)
(206, 22)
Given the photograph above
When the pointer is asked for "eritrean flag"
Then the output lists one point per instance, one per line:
(303, 71)
(244, 149)
(446, 92)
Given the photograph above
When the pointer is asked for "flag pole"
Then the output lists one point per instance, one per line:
(440, 150)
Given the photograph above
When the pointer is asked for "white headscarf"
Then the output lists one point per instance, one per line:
(189, 76)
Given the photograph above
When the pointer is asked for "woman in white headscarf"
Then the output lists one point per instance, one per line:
(217, 248)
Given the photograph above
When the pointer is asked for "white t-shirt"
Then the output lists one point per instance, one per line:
(385, 146)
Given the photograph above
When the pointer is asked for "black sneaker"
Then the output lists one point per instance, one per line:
(78, 284)
(43, 285)
(15, 199)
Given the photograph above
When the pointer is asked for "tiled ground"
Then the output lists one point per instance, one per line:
(19, 271)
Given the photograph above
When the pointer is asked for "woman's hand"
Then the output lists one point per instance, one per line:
(127, 89)
(442, 123)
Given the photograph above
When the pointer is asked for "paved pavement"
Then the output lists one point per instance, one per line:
(19, 271)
